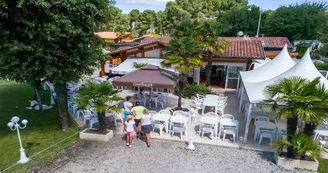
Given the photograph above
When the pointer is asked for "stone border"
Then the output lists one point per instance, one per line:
(296, 164)
(96, 137)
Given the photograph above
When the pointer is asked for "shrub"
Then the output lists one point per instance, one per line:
(301, 49)
(191, 90)
(301, 143)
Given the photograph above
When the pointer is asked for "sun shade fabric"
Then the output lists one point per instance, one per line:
(149, 76)
(127, 66)
(304, 68)
(281, 63)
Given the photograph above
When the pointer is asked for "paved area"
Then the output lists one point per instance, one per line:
(163, 157)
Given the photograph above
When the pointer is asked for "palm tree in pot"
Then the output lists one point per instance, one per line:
(101, 97)
(300, 100)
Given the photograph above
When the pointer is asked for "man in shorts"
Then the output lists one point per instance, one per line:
(137, 112)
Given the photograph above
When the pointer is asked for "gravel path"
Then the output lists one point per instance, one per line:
(162, 157)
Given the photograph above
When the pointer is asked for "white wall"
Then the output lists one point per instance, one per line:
(153, 53)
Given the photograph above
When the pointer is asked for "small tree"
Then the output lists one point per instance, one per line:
(100, 97)
(184, 54)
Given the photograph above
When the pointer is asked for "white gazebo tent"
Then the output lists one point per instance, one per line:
(280, 64)
(304, 68)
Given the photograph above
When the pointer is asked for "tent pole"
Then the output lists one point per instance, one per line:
(238, 83)
(241, 99)
(248, 121)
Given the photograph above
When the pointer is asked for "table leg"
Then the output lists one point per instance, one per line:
(255, 134)
(166, 127)
(216, 130)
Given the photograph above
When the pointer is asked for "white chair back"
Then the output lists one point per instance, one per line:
(261, 118)
(228, 116)
(211, 114)
(282, 120)
(179, 113)
(165, 112)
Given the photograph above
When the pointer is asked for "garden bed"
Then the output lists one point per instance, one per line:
(297, 163)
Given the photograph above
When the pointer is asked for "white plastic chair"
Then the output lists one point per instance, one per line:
(164, 112)
(221, 108)
(212, 114)
(228, 116)
(177, 128)
(91, 117)
(266, 134)
(179, 113)
(229, 131)
(159, 125)
(261, 118)
(208, 128)
(160, 100)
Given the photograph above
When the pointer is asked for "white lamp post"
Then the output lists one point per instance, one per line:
(192, 117)
(13, 125)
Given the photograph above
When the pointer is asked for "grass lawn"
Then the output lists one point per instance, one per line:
(323, 166)
(39, 134)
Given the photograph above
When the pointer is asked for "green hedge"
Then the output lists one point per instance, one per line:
(192, 89)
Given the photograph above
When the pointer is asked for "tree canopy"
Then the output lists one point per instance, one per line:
(50, 40)
(297, 21)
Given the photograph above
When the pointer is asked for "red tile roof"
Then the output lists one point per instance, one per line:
(243, 49)
(239, 48)
(269, 42)
(145, 41)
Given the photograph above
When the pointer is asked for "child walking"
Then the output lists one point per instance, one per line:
(129, 127)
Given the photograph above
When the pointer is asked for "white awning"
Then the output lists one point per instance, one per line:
(259, 63)
(127, 66)
(304, 68)
(281, 63)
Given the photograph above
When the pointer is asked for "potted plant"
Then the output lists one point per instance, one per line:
(306, 152)
(100, 97)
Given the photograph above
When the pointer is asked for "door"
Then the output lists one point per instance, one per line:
(232, 76)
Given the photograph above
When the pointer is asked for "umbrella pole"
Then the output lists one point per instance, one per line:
(149, 98)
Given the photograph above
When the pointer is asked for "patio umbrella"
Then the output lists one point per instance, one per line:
(149, 76)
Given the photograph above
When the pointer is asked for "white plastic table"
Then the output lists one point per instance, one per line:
(320, 131)
(230, 123)
(180, 119)
(263, 125)
(163, 117)
(211, 120)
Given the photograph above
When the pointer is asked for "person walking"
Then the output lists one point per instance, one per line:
(146, 126)
(129, 127)
(127, 105)
(137, 112)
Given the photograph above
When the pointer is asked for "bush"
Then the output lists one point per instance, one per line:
(191, 90)
(301, 49)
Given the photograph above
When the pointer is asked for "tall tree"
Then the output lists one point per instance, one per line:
(50, 40)
(184, 54)
(115, 18)
(133, 19)
(243, 19)
(146, 22)
(301, 21)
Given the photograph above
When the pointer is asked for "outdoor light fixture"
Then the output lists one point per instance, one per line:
(193, 115)
(13, 125)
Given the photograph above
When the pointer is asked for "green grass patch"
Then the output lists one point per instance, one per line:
(323, 166)
(40, 133)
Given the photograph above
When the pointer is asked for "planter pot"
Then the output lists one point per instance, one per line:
(85, 134)
(288, 163)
